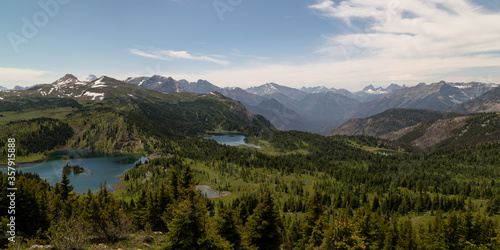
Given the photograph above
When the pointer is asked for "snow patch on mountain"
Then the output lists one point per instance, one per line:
(99, 83)
(100, 96)
(377, 91)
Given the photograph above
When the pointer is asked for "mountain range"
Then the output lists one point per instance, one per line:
(424, 127)
(17, 87)
(487, 102)
(158, 83)
(437, 96)
(313, 109)
(320, 109)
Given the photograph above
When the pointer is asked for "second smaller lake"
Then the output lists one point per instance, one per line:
(230, 139)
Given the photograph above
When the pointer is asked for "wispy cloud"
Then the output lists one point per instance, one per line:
(169, 55)
(411, 28)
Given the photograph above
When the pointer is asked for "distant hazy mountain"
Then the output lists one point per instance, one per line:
(437, 97)
(282, 117)
(487, 102)
(91, 78)
(275, 90)
(17, 87)
(158, 83)
(239, 94)
(324, 108)
(317, 89)
(370, 93)
(321, 106)
(200, 87)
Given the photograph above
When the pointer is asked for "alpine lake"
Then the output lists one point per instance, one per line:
(98, 168)
(230, 139)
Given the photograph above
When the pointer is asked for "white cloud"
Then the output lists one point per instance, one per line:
(412, 28)
(12, 76)
(169, 55)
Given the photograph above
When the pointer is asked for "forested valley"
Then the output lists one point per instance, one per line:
(311, 192)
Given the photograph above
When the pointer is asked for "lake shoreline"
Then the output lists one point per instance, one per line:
(45, 155)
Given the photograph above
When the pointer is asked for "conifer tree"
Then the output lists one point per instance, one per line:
(226, 226)
(265, 227)
(453, 231)
(407, 237)
(315, 211)
(104, 216)
(293, 235)
(65, 187)
(189, 227)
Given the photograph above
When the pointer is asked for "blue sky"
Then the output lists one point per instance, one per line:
(341, 44)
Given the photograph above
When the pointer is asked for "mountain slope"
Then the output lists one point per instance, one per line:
(158, 83)
(387, 121)
(272, 89)
(424, 128)
(466, 130)
(437, 97)
(487, 102)
(200, 86)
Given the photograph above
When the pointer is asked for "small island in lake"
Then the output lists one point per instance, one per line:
(68, 168)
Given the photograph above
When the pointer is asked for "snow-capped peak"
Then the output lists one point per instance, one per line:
(68, 78)
(91, 78)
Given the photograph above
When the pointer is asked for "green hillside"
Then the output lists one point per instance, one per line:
(128, 119)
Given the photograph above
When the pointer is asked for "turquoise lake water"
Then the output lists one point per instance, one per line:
(98, 167)
(230, 139)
